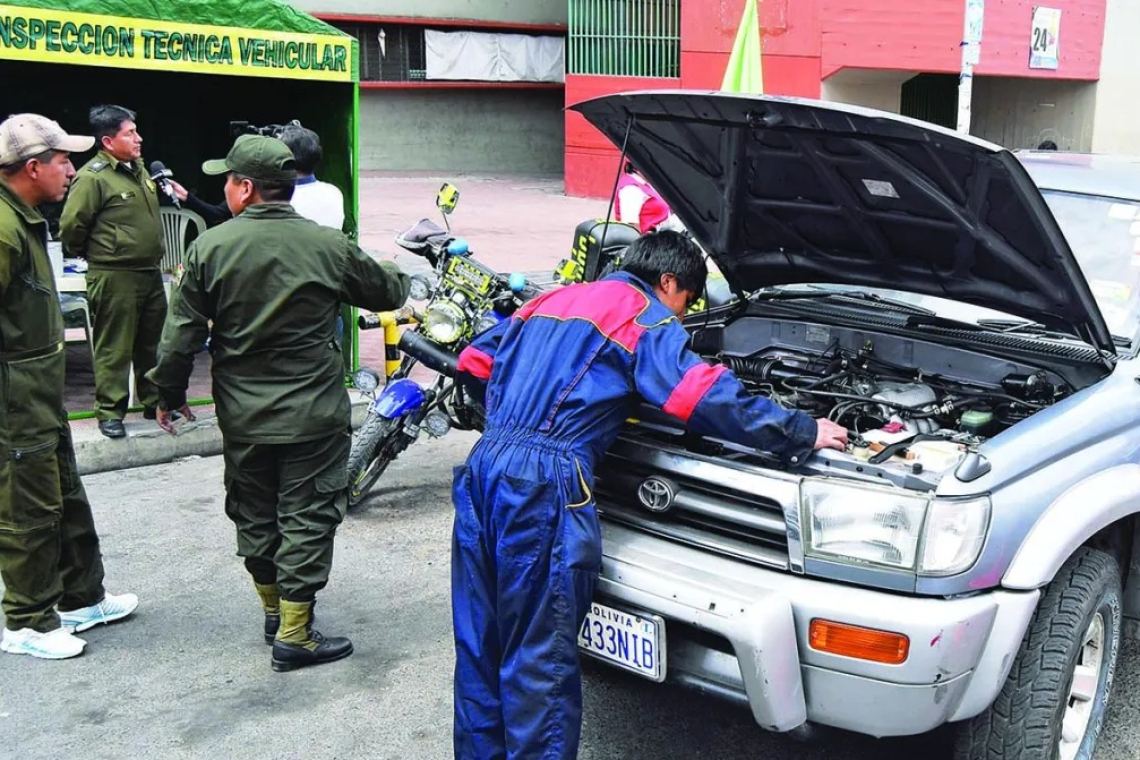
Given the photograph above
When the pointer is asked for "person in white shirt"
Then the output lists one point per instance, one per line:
(313, 199)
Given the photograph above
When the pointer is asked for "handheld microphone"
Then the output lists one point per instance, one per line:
(160, 174)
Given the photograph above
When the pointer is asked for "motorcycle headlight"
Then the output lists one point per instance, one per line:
(419, 288)
(893, 529)
(365, 380)
(444, 322)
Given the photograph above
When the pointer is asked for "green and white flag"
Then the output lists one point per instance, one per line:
(745, 71)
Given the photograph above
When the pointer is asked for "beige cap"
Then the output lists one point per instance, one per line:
(29, 134)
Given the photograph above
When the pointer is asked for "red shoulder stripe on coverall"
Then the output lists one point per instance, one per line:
(692, 388)
(613, 309)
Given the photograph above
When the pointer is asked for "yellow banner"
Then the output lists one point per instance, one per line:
(55, 36)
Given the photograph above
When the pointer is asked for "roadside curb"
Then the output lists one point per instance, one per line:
(147, 445)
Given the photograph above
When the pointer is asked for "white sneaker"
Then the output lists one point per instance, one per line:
(109, 610)
(53, 645)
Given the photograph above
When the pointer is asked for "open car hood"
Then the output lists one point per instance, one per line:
(786, 190)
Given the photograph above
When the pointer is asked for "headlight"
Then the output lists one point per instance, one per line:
(893, 529)
(365, 380)
(419, 288)
(444, 322)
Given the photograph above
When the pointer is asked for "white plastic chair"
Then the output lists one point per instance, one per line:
(73, 306)
(175, 226)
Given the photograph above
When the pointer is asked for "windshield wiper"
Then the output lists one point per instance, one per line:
(990, 325)
(850, 295)
(1008, 326)
(1027, 327)
(1036, 328)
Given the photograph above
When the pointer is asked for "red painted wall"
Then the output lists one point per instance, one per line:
(926, 36)
(1005, 39)
(806, 41)
(591, 159)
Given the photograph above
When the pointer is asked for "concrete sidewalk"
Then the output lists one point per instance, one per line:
(513, 224)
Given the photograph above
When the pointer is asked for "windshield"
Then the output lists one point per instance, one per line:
(1104, 234)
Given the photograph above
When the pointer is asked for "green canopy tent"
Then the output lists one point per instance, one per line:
(189, 68)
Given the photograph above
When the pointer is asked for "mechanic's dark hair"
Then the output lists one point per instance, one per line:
(273, 191)
(667, 252)
(107, 120)
(1047, 145)
(306, 147)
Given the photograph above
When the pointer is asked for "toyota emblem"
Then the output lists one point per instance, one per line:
(656, 494)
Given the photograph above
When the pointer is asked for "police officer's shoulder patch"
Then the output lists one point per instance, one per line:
(97, 166)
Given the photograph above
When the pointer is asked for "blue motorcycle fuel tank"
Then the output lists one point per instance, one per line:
(399, 399)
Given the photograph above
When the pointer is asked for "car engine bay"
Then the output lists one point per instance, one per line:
(913, 406)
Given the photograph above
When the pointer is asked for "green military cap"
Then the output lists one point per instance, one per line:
(256, 157)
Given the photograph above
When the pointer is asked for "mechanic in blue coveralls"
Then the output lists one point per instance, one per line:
(559, 379)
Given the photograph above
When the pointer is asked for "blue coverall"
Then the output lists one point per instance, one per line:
(559, 378)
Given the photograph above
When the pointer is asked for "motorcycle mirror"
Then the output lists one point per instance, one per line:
(447, 198)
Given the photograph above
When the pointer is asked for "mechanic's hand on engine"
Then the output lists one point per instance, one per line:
(179, 192)
(830, 435)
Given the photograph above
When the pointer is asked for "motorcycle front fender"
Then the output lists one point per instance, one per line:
(399, 399)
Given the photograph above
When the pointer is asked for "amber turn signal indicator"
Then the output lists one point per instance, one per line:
(860, 643)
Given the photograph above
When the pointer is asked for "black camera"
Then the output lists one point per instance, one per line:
(238, 128)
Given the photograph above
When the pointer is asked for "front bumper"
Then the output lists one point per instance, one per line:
(741, 631)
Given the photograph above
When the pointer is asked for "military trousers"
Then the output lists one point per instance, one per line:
(128, 310)
(286, 501)
(49, 550)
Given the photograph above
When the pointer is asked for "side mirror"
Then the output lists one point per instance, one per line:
(447, 198)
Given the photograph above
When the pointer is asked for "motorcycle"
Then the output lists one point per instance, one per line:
(464, 298)
(598, 248)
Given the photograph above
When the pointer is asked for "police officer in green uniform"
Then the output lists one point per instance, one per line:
(49, 550)
(265, 287)
(111, 219)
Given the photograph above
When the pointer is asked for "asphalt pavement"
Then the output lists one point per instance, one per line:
(189, 676)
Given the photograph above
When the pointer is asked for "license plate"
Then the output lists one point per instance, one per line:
(627, 640)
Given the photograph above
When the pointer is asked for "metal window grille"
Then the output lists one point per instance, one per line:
(629, 38)
(389, 52)
(931, 97)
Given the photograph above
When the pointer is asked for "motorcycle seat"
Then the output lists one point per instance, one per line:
(421, 235)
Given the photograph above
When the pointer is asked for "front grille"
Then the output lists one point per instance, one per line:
(730, 509)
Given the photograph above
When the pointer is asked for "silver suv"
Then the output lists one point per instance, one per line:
(971, 317)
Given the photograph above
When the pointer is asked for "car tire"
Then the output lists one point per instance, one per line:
(1027, 721)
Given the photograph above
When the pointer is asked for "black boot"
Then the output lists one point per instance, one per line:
(297, 645)
(271, 603)
(272, 623)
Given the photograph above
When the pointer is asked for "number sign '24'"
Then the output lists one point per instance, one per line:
(1045, 38)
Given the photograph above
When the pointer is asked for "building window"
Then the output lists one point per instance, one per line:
(625, 38)
(388, 52)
